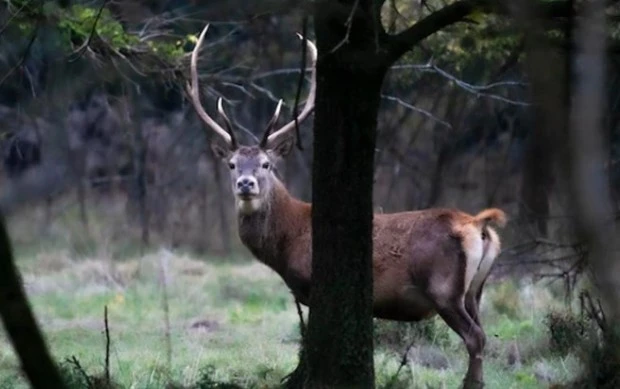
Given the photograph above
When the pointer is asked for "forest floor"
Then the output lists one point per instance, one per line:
(234, 320)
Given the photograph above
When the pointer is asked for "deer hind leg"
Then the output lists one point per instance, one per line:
(472, 304)
(456, 317)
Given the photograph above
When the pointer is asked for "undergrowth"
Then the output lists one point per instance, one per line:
(232, 322)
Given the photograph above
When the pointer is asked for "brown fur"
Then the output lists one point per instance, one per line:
(425, 262)
(416, 254)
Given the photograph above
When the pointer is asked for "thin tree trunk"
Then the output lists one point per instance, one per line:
(20, 324)
(550, 95)
(81, 195)
(203, 194)
(224, 224)
(138, 194)
(140, 179)
(141, 186)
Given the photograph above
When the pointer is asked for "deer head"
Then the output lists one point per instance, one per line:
(251, 167)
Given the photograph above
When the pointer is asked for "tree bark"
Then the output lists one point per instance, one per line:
(551, 91)
(20, 324)
(338, 347)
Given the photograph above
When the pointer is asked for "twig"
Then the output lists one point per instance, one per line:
(14, 14)
(164, 285)
(302, 325)
(107, 344)
(78, 367)
(278, 72)
(348, 24)
(24, 56)
(416, 109)
(478, 90)
(300, 81)
(80, 50)
(403, 362)
(592, 310)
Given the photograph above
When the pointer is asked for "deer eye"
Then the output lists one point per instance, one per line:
(266, 165)
(231, 166)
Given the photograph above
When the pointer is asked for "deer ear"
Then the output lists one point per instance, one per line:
(283, 147)
(219, 151)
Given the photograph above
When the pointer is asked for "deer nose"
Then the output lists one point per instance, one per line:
(245, 184)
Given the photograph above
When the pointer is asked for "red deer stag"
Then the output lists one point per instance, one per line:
(424, 262)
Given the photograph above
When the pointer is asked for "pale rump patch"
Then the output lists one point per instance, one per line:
(471, 240)
(491, 252)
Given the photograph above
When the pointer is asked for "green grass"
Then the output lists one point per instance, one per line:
(239, 317)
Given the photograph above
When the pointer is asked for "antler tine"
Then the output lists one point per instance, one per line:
(193, 92)
(308, 108)
(271, 123)
(229, 126)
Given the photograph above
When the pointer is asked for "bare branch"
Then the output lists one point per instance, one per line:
(76, 364)
(279, 72)
(417, 109)
(84, 46)
(478, 90)
(458, 12)
(401, 43)
(13, 15)
(23, 57)
(348, 24)
(265, 91)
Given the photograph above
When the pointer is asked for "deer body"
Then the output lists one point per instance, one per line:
(426, 262)
(409, 259)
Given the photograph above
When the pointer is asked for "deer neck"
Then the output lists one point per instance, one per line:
(269, 232)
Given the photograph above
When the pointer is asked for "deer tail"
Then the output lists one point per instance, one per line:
(491, 215)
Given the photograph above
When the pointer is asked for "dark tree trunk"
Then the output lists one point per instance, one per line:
(354, 54)
(551, 91)
(537, 178)
(338, 347)
(20, 324)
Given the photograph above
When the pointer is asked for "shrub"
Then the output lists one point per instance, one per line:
(566, 331)
(600, 356)
(206, 381)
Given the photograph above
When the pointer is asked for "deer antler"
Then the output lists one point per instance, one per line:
(271, 123)
(229, 126)
(308, 108)
(193, 92)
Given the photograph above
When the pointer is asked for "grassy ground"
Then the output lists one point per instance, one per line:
(237, 316)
